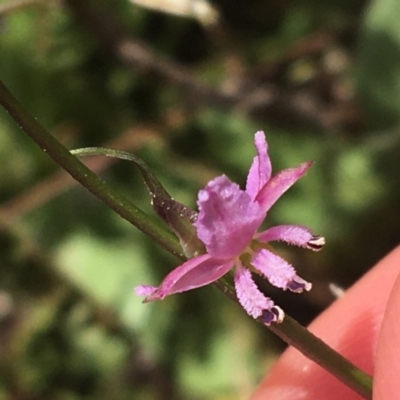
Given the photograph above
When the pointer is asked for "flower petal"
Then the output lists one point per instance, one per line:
(278, 271)
(260, 170)
(227, 219)
(279, 184)
(292, 234)
(145, 290)
(196, 272)
(251, 299)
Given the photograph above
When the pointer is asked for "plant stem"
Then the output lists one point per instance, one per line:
(121, 205)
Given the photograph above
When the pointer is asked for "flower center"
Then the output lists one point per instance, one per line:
(247, 255)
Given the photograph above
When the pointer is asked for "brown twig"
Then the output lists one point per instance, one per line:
(115, 40)
(245, 93)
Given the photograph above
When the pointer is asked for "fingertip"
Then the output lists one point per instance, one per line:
(387, 365)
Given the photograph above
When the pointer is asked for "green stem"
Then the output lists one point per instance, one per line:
(290, 331)
(125, 208)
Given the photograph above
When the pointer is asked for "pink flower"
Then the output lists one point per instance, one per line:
(227, 224)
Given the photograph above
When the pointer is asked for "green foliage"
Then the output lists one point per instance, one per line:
(379, 78)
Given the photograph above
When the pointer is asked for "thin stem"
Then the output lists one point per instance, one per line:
(125, 208)
(59, 182)
(290, 331)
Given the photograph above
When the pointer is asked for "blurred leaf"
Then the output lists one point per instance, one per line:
(379, 63)
(108, 271)
(357, 185)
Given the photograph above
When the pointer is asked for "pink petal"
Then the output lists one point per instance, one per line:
(145, 290)
(260, 170)
(249, 296)
(279, 184)
(196, 272)
(278, 271)
(292, 234)
(227, 219)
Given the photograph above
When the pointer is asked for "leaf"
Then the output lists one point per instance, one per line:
(179, 217)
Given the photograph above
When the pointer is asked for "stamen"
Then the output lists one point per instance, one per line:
(299, 285)
(275, 314)
(316, 243)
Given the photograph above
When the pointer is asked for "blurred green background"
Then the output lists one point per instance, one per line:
(186, 93)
